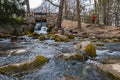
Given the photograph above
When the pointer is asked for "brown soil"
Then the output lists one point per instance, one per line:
(92, 29)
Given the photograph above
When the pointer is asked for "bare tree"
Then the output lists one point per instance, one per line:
(28, 6)
(59, 20)
(65, 10)
(78, 14)
(60, 13)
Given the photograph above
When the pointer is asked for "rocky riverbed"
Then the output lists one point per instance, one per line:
(56, 68)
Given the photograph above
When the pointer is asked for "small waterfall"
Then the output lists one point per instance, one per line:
(40, 28)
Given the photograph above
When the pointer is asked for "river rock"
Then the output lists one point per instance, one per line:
(87, 47)
(112, 70)
(21, 68)
(60, 38)
(71, 56)
(42, 37)
(18, 51)
(99, 44)
(14, 39)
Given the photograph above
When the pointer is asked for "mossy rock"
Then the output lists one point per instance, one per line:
(80, 38)
(42, 37)
(51, 36)
(59, 38)
(71, 56)
(110, 61)
(87, 47)
(5, 35)
(17, 69)
(29, 34)
(85, 35)
(35, 34)
(70, 36)
(100, 44)
(90, 50)
(67, 39)
(94, 40)
(115, 40)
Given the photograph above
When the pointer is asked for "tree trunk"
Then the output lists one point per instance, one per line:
(65, 10)
(95, 10)
(28, 6)
(101, 13)
(0, 5)
(107, 13)
(59, 20)
(0, 9)
(78, 14)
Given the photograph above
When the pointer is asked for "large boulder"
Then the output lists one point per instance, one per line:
(87, 47)
(71, 56)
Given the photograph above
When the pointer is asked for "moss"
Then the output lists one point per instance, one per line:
(72, 56)
(38, 61)
(35, 34)
(99, 44)
(67, 39)
(94, 40)
(80, 38)
(23, 67)
(78, 57)
(29, 34)
(90, 50)
(51, 36)
(41, 37)
(59, 38)
(71, 36)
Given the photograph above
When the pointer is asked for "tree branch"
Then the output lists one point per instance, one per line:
(53, 3)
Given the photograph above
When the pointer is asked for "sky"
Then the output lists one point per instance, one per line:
(35, 3)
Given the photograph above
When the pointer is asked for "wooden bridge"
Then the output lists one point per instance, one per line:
(40, 17)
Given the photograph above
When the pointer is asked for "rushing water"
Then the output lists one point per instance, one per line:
(40, 27)
(55, 69)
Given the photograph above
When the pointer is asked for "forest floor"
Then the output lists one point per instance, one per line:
(92, 29)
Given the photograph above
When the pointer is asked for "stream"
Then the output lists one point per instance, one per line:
(55, 69)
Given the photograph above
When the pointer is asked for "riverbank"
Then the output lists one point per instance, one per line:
(92, 30)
